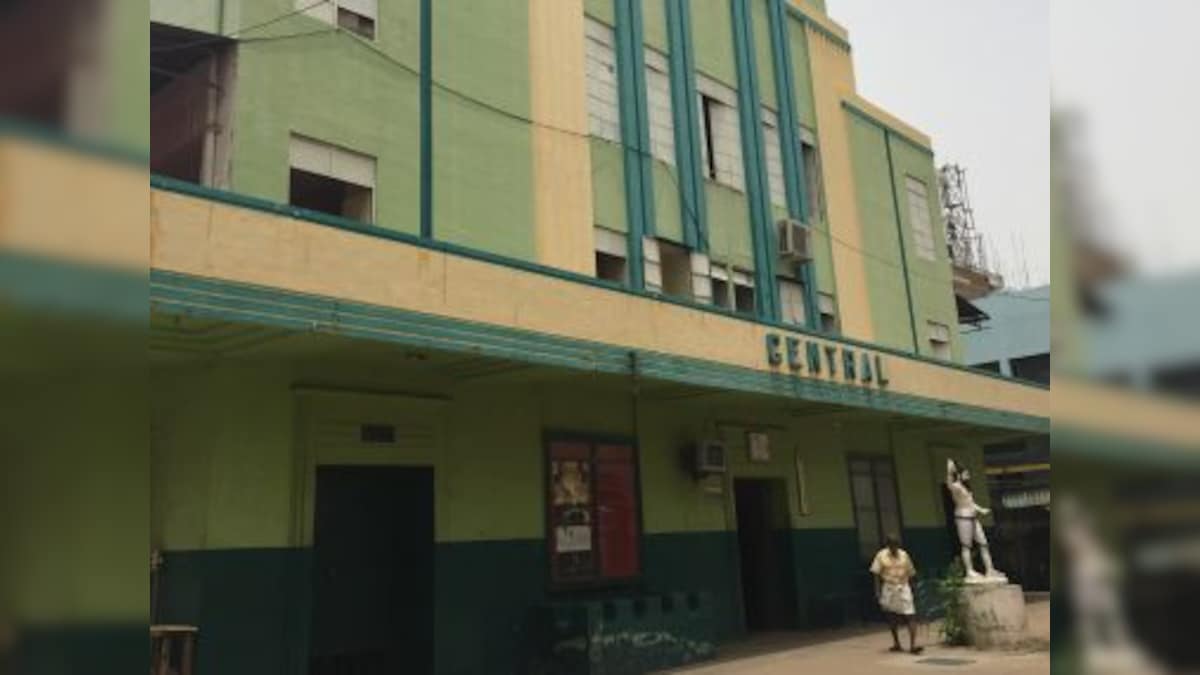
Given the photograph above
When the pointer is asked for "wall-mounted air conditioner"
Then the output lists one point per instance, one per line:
(707, 458)
(795, 241)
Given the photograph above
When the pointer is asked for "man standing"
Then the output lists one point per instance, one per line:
(893, 569)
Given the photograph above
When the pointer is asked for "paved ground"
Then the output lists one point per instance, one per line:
(864, 652)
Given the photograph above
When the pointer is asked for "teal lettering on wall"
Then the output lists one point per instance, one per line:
(849, 365)
(818, 357)
(831, 359)
(813, 352)
(774, 357)
(868, 375)
(793, 354)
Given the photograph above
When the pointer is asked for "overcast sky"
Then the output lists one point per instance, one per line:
(1130, 72)
(974, 75)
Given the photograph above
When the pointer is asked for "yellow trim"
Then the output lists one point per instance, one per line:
(833, 79)
(1017, 468)
(204, 238)
(562, 187)
(1078, 405)
(890, 120)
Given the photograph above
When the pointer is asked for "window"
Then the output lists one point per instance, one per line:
(990, 366)
(774, 152)
(743, 292)
(604, 120)
(939, 340)
(668, 268)
(332, 180)
(732, 288)
(658, 101)
(594, 523)
(1034, 368)
(722, 146)
(356, 16)
(876, 502)
(791, 299)
(611, 251)
(812, 175)
(828, 308)
(919, 218)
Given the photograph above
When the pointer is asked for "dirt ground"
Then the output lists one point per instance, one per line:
(865, 652)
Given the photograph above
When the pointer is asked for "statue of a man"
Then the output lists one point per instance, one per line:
(966, 522)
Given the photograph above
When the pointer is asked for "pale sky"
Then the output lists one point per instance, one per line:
(1129, 71)
(974, 75)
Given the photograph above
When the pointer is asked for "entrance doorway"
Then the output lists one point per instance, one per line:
(768, 586)
(373, 566)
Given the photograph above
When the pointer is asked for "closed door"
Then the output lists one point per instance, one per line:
(373, 566)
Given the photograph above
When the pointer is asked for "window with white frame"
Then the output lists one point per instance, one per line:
(330, 179)
(611, 255)
(356, 16)
(919, 217)
(604, 119)
(658, 104)
(721, 149)
(732, 288)
(773, 146)
(812, 174)
(828, 308)
(939, 340)
(792, 302)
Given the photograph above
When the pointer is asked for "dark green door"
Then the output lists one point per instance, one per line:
(373, 565)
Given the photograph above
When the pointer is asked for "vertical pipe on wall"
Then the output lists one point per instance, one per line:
(912, 317)
(426, 118)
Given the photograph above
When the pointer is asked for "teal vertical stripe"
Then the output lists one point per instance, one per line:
(757, 189)
(912, 316)
(693, 205)
(789, 140)
(635, 132)
(426, 118)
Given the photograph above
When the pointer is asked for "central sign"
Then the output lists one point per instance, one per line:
(815, 358)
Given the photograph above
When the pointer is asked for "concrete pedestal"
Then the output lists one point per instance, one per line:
(994, 614)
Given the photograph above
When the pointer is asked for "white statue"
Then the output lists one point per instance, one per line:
(1106, 643)
(970, 530)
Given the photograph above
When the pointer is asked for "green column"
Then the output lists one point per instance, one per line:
(688, 160)
(757, 189)
(789, 140)
(635, 132)
(426, 86)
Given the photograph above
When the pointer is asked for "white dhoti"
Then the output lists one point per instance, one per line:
(897, 599)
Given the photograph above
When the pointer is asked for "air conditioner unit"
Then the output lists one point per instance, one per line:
(708, 457)
(795, 241)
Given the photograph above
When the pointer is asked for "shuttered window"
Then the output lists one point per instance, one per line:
(920, 219)
(604, 120)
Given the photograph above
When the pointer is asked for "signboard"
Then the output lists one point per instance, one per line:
(758, 447)
(833, 361)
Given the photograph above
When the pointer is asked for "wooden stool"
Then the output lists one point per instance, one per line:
(163, 640)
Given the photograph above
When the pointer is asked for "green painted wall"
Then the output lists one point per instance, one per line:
(608, 186)
(932, 281)
(482, 161)
(763, 58)
(667, 207)
(729, 226)
(802, 70)
(881, 254)
(336, 89)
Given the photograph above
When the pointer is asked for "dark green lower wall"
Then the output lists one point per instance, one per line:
(486, 592)
(253, 605)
